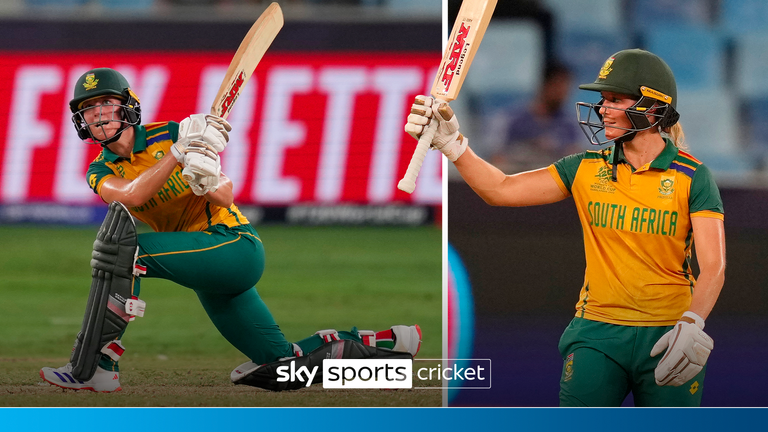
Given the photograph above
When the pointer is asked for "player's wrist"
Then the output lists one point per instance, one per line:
(693, 318)
(456, 148)
(177, 150)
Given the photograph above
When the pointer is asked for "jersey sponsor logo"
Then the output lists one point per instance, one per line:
(666, 186)
(568, 368)
(694, 387)
(655, 94)
(90, 81)
(606, 69)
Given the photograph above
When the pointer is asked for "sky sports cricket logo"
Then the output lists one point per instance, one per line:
(392, 374)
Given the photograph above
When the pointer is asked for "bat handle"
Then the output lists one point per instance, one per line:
(408, 183)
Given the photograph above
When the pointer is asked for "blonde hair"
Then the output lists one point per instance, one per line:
(676, 134)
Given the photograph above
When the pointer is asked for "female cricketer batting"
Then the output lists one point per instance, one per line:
(168, 175)
(641, 201)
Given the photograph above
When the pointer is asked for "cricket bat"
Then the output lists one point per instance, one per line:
(468, 30)
(247, 57)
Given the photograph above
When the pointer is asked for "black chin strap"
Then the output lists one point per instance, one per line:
(114, 138)
(619, 148)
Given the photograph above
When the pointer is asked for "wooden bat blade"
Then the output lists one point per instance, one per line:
(468, 31)
(247, 57)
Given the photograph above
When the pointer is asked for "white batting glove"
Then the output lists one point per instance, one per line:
(206, 127)
(201, 185)
(688, 349)
(447, 138)
(179, 148)
(201, 159)
(202, 167)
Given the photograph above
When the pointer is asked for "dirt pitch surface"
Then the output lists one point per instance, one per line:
(189, 383)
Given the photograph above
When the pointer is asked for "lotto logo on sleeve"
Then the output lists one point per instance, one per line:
(372, 373)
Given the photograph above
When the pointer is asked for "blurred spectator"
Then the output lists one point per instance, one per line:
(540, 131)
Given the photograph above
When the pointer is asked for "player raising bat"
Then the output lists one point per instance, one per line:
(169, 176)
(642, 201)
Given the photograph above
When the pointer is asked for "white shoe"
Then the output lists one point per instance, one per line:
(243, 371)
(102, 381)
(407, 338)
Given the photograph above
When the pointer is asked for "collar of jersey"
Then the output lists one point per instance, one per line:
(139, 144)
(662, 161)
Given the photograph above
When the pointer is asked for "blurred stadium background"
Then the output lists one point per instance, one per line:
(525, 265)
(316, 152)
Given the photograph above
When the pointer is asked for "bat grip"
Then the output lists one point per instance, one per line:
(408, 183)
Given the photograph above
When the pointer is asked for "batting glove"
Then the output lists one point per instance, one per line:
(202, 167)
(688, 349)
(207, 128)
(201, 185)
(447, 138)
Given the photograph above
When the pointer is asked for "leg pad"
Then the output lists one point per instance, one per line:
(114, 255)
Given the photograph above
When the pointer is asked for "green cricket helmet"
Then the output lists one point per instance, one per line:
(640, 74)
(104, 82)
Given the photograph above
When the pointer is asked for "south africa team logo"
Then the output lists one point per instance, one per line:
(606, 69)
(90, 81)
(666, 186)
(159, 154)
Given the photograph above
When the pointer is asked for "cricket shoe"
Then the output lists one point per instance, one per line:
(103, 381)
(407, 338)
(243, 371)
(246, 368)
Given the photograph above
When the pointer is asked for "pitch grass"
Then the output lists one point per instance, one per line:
(316, 278)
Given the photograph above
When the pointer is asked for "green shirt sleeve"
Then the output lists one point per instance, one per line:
(704, 192)
(173, 129)
(567, 167)
(97, 170)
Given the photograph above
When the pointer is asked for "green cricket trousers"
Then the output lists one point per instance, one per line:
(222, 266)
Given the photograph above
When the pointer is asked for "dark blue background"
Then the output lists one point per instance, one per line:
(526, 267)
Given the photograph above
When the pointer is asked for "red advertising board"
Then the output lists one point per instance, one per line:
(315, 128)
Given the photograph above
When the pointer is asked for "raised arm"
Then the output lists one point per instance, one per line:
(496, 188)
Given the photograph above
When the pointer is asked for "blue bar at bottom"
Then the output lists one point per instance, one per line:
(385, 419)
